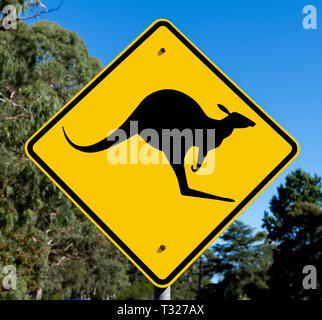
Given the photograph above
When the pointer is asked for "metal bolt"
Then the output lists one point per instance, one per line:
(162, 247)
(162, 50)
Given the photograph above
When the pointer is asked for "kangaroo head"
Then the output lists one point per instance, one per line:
(225, 128)
(236, 119)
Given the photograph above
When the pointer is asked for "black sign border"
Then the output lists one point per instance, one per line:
(77, 99)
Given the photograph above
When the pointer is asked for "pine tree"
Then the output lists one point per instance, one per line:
(239, 265)
(294, 223)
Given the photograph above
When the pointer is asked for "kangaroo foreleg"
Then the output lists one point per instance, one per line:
(201, 159)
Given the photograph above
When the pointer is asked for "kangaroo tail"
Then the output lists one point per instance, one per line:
(104, 144)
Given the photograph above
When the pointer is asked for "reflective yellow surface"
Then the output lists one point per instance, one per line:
(141, 203)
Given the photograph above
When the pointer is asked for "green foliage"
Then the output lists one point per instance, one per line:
(239, 264)
(138, 287)
(55, 249)
(295, 224)
(91, 268)
(299, 187)
(186, 287)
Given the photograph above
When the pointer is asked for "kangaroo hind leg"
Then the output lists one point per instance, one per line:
(179, 170)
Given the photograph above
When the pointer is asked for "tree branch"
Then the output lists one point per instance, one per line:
(5, 100)
(59, 262)
(41, 12)
(18, 116)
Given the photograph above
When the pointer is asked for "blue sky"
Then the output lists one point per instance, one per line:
(261, 45)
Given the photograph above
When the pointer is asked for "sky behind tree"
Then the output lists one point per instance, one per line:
(260, 45)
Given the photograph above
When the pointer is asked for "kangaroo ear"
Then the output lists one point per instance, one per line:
(222, 108)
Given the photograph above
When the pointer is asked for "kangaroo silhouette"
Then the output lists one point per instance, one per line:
(171, 109)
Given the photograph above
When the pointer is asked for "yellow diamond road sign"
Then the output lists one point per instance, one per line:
(114, 151)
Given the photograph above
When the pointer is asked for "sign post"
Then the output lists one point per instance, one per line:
(162, 293)
(113, 151)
